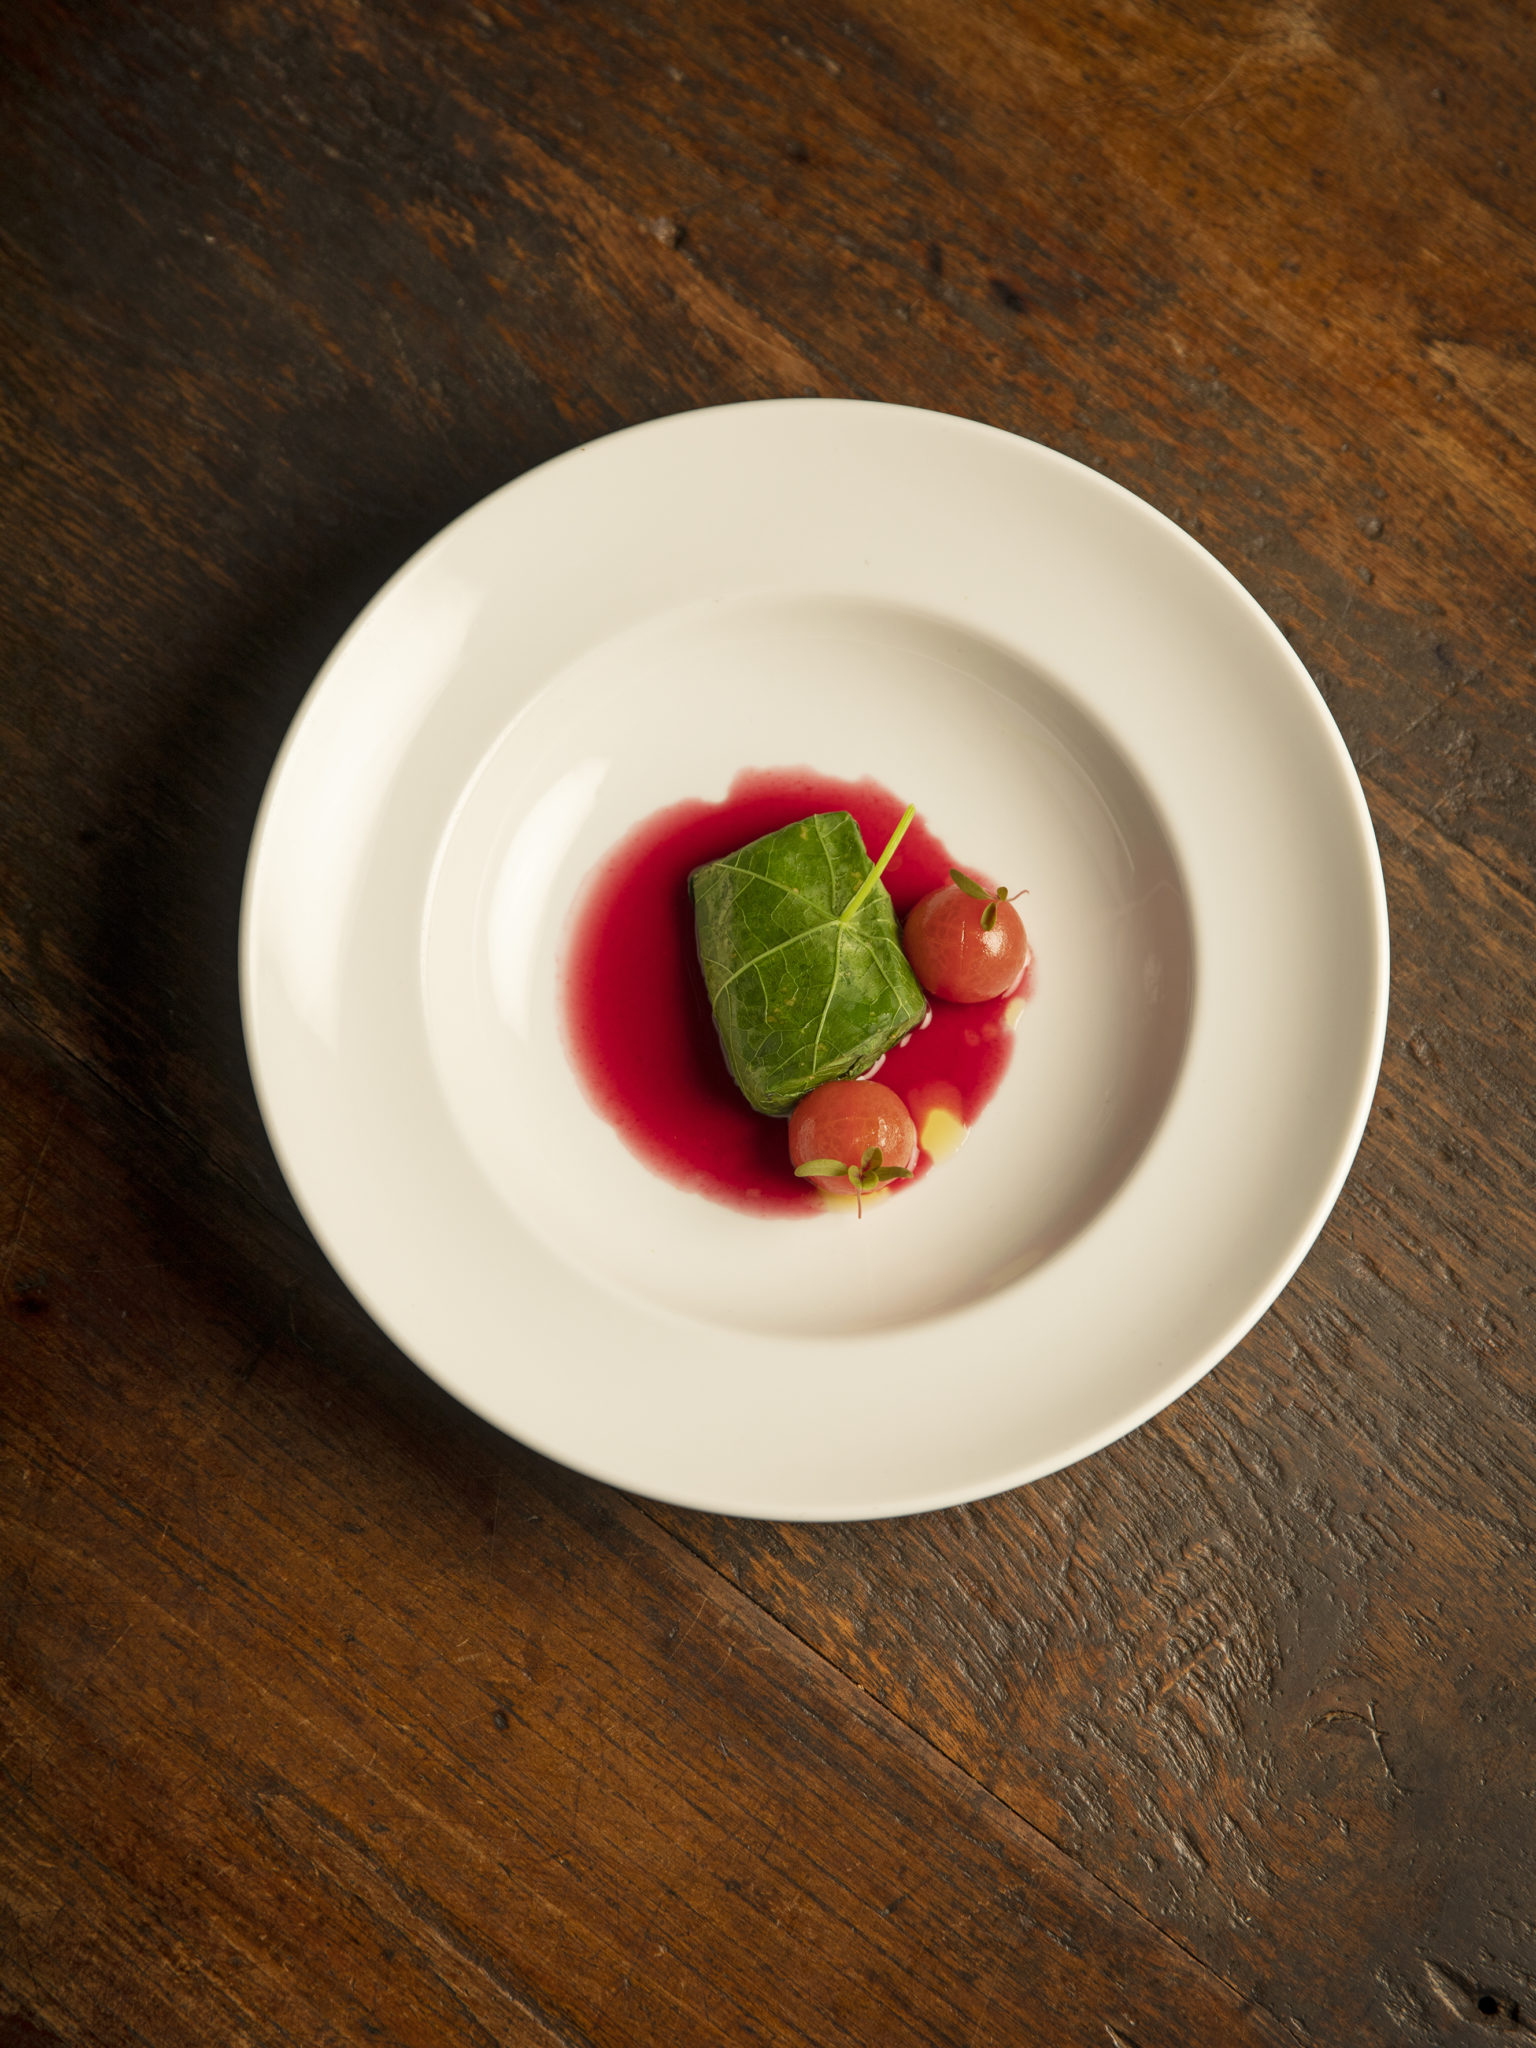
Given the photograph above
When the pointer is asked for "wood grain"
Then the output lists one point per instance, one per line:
(302, 1665)
(1226, 1731)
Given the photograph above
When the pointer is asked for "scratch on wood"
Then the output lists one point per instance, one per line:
(1366, 1720)
(688, 1631)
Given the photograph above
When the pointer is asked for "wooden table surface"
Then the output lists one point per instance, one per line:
(331, 1716)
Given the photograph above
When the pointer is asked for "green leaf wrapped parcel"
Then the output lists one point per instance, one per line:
(802, 992)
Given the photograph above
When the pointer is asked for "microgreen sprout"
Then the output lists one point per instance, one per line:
(970, 888)
(866, 1178)
(856, 901)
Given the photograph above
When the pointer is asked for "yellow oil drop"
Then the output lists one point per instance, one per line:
(1014, 1012)
(941, 1134)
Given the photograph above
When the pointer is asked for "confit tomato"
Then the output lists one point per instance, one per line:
(843, 1120)
(953, 953)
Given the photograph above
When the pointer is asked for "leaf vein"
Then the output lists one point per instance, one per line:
(794, 939)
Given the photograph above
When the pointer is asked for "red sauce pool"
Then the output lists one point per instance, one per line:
(637, 1017)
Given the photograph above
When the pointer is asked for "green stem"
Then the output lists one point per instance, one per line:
(861, 893)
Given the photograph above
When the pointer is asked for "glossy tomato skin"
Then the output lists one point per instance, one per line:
(842, 1119)
(953, 957)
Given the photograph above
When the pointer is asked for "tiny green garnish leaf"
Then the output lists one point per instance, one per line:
(971, 888)
(866, 1178)
(991, 899)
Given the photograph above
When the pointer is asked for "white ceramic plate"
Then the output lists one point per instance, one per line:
(1076, 696)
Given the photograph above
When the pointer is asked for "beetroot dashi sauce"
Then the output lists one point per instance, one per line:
(638, 1024)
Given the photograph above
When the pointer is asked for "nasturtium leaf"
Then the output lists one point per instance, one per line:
(800, 994)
